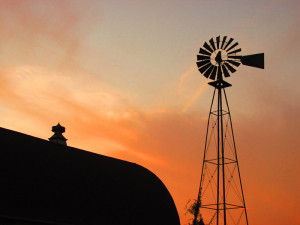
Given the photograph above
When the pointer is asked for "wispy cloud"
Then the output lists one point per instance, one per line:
(183, 77)
(191, 92)
(195, 96)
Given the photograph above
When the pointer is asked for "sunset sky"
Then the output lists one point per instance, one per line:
(120, 75)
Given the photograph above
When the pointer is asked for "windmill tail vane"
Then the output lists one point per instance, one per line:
(218, 58)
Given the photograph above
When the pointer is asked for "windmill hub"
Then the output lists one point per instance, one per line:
(219, 58)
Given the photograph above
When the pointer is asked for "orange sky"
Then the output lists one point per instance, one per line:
(121, 77)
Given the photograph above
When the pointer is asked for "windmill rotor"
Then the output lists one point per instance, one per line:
(218, 58)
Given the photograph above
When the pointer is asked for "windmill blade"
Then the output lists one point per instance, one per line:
(234, 45)
(235, 51)
(235, 56)
(228, 43)
(233, 62)
(219, 76)
(218, 42)
(202, 63)
(208, 71)
(225, 71)
(213, 73)
(211, 41)
(207, 47)
(203, 68)
(204, 52)
(256, 60)
(223, 42)
(232, 70)
(202, 57)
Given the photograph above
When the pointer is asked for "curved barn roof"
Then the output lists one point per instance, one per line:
(57, 184)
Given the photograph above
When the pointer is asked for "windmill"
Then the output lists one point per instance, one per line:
(221, 198)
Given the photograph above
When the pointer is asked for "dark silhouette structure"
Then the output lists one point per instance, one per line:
(58, 136)
(218, 59)
(48, 183)
(221, 197)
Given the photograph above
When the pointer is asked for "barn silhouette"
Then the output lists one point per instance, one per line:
(44, 182)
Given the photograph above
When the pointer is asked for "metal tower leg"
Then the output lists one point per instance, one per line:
(237, 162)
(198, 201)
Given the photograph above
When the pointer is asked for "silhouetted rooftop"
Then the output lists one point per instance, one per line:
(48, 183)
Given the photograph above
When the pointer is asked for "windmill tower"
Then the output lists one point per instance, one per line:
(221, 198)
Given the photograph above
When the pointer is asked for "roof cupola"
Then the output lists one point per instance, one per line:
(57, 137)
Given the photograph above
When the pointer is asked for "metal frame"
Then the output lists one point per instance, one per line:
(220, 161)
